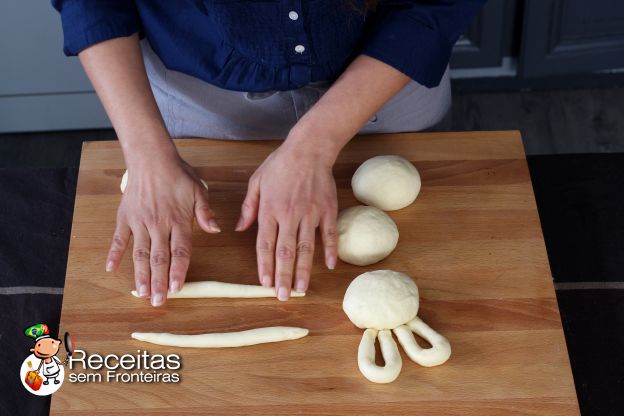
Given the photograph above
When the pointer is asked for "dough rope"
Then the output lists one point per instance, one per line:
(439, 352)
(213, 289)
(224, 339)
(390, 352)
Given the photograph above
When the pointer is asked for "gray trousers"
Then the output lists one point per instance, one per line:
(193, 108)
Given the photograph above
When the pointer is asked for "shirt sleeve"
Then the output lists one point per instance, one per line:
(86, 23)
(417, 36)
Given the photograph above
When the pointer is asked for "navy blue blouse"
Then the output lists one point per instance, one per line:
(261, 45)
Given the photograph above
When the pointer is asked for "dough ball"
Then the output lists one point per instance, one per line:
(124, 182)
(381, 299)
(366, 235)
(386, 182)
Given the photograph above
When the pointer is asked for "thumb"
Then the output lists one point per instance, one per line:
(203, 212)
(249, 209)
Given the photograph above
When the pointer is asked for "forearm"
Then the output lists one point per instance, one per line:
(116, 70)
(362, 89)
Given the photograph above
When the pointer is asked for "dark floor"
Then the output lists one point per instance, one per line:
(551, 122)
(573, 138)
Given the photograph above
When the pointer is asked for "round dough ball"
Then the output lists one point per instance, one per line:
(366, 235)
(381, 299)
(386, 182)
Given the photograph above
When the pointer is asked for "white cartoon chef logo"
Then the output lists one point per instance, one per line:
(42, 373)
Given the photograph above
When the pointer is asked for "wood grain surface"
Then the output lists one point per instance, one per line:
(472, 242)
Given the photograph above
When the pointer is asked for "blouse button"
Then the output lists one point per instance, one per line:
(299, 48)
(293, 15)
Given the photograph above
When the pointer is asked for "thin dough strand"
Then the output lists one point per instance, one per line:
(439, 352)
(212, 289)
(390, 352)
(224, 339)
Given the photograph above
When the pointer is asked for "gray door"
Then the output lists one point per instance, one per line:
(40, 88)
(571, 36)
(483, 42)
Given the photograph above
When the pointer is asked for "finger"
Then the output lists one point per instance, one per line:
(159, 265)
(329, 237)
(285, 257)
(203, 212)
(140, 258)
(180, 255)
(118, 246)
(249, 209)
(265, 249)
(305, 254)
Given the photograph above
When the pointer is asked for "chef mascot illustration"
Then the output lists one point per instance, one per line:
(46, 349)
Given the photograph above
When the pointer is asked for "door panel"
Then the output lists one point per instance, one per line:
(571, 36)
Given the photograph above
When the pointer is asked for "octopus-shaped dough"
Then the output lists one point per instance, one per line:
(382, 301)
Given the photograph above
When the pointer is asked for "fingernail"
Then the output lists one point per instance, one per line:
(157, 299)
(175, 287)
(282, 293)
(109, 266)
(143, 290)
(213, 226)
(239, 224)
(331, 262)
(266, 281)
(300, 287)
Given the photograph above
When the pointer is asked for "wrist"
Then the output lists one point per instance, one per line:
(314, 139)
(151, 150)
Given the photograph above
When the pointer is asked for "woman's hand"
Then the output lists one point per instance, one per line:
(162, 197)
(163, 193)
(291, 194)
(294, 191)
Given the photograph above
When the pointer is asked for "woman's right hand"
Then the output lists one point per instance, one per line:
(163, 193)
(162, 197)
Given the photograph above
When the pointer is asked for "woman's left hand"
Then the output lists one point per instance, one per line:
(291, 194)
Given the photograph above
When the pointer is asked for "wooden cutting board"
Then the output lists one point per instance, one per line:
(472, 242)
